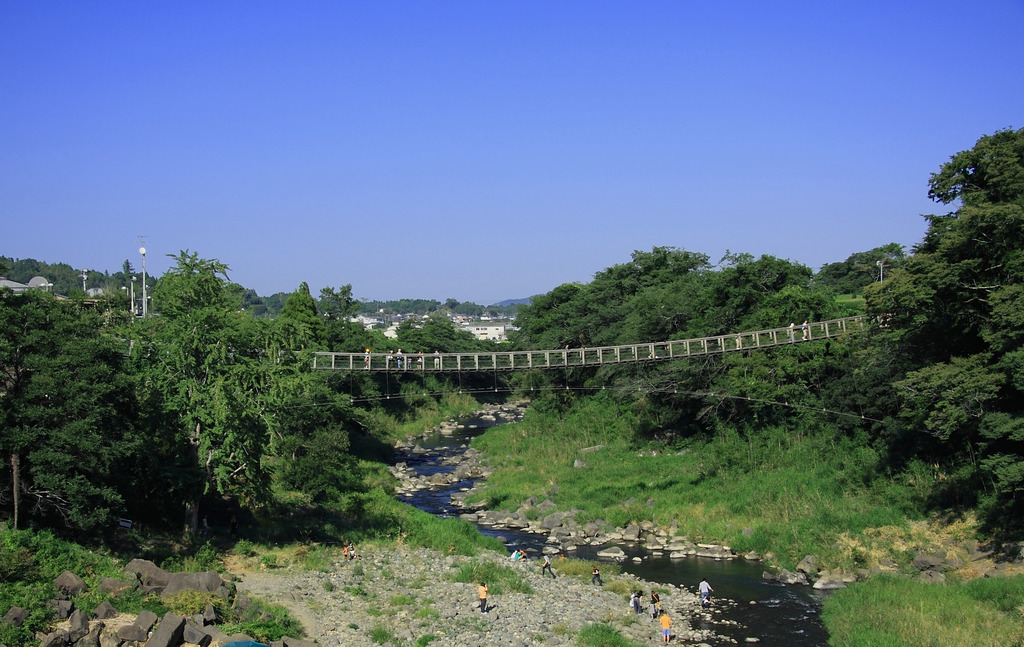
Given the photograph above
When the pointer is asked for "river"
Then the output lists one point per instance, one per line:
(776, 614)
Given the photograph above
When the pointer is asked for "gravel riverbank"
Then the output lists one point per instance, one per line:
(401, 595)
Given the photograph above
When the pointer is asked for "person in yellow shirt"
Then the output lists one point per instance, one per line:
(482, 591)
(666, 627)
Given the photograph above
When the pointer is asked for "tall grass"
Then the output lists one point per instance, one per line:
(894, 612)
(795, 491)
(602, 635)
(499, 578)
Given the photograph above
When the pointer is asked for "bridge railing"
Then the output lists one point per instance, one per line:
(578, 357)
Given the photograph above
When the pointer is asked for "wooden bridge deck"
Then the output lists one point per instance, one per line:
(577, 357)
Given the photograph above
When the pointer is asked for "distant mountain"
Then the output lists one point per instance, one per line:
(513, 302)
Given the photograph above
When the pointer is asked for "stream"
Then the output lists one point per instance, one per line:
(776, 614)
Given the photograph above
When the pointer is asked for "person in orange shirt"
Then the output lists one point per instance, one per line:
(482, 591)
(666, 627)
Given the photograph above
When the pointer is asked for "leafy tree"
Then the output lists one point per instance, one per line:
(955, 308)
(311, 436)
(206, 369)
(299, 325)
(65, 410)
(437, 332)
(860, 270)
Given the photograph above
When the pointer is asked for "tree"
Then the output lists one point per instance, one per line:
(300, 325)
(861, 269)
(955, 309)
(65, 410)
(205, 362)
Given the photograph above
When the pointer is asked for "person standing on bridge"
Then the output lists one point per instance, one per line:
(366, 359)
(437, 360)
(806, 329)
(792, 328)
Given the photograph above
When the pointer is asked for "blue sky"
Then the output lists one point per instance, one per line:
(485, 150)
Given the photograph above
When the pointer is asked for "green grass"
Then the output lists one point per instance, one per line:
(894, 612)
(602, 635)
(797, 492)
(381, 634)
(499, 578)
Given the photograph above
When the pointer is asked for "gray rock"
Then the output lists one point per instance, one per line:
(808, 565)
(15, 616)
(69, 584)
(207, 582)
(91, 639)
(79, 626)
(62, 609)
(58, 638)
(148, 573)
(168, 632)
(110, 585)
(195, 634)
(926, 562)
(132, 632)
(145, 620)
(104, 610)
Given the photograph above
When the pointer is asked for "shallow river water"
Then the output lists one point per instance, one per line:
(775, 614)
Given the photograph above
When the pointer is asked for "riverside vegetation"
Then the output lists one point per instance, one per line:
(864, 451)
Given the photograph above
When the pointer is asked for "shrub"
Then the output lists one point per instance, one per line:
(381, 634)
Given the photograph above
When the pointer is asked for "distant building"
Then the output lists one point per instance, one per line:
(35, 283)
(493, 332)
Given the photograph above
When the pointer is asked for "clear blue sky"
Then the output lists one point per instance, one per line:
(485, 150)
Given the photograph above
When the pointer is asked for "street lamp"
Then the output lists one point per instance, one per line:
(84, 276)
(881, 270)
(133, 296)
(142, 250)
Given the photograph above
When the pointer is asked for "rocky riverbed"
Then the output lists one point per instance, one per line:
(399, 595)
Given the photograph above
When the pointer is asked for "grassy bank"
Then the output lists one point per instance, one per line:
(786, 492)
(887, 611)
(795, 493)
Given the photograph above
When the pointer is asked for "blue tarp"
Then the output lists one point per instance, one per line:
(246, 643)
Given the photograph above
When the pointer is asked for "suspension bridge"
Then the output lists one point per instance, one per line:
(519, 360)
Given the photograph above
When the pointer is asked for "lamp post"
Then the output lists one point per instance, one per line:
(84, 276)
(881, 270)
(142, 250)
(132, 308)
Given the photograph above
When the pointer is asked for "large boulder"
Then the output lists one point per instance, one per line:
(104, 611)
(195, 634)
(613, 552)
(79, 626)
(207, 582)
(15, 616)
(58, 638)
(169, 632)
(926, 562)
(808, 565)
(148, 573)
(69, 584)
